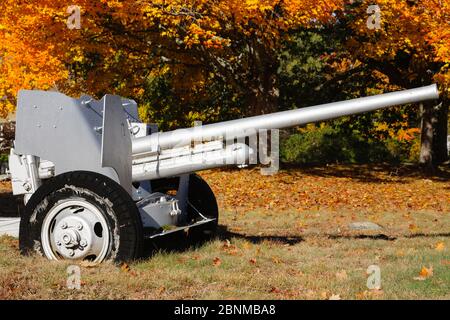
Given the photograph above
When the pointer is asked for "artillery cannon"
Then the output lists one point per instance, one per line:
(97, 181)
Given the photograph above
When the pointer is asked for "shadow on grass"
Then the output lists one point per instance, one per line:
(180, 242)
(428, 235)
(389, 238)
(363, 236)
(225, 234)
(372, 173)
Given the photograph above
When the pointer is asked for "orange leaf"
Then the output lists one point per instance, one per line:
(274, 290)
(217, 262)
(425, 273)
(440, 246)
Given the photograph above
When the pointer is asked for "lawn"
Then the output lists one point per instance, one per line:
(287, 236)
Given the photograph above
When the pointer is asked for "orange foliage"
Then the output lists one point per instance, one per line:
(121, 43)
(416, 29)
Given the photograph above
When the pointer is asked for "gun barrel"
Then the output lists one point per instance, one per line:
(240, 128)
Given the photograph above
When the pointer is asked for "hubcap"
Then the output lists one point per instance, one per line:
(75, 229)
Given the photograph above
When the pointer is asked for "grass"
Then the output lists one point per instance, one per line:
(265, 253)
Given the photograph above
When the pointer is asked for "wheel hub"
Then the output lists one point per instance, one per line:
(75, 229)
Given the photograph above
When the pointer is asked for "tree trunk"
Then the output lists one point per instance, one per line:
(440, 133)
(264, 97)
(433, 150)
(426, 137)
(264, 82)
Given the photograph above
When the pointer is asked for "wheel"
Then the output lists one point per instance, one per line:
(201, 200)
(81, 216)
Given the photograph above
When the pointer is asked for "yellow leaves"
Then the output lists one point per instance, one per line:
(41, 47)
(408, 42)
(408, 134)
(252, 4)
(78, 59)
(418, 30)
(440, 246)
(127, 269)
(381, 126)
(276, 260)
(398, 130)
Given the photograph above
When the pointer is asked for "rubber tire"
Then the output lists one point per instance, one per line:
(120, 212)
(200, 196)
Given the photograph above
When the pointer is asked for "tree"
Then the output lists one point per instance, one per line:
(411, 47)
(122, 44)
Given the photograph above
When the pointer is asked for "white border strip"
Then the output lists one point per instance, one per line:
(10, 227)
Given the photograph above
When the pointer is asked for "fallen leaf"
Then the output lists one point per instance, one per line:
(126, 268)
(243, 193)
(276, 260)
(274, 290)
(440, 246)
(424, 274)
(413, 228)
(253, 261)
(217, 262)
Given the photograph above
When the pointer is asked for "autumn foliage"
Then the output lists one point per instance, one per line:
(220, 59)
(411, 44)
(121, 43)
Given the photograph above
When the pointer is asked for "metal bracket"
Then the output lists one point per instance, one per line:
(116, 140)
(182, 196)
(165, 232)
